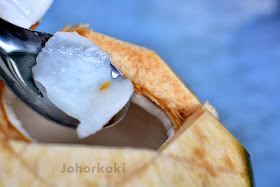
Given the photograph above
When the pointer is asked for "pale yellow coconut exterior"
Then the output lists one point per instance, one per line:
(202, 152)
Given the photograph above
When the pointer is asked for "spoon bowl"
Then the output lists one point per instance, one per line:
(19, 48)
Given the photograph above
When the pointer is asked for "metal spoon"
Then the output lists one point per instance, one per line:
(19, 48)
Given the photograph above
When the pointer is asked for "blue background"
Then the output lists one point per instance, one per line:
(227, 51)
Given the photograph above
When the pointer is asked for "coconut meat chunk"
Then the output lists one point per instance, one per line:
(75, 74)
(24, 13)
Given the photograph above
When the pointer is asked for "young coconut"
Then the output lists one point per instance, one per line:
(202, 152)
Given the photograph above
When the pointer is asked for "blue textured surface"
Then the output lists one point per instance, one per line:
(227, 51)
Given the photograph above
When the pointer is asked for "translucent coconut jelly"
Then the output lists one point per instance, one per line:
(76, 75)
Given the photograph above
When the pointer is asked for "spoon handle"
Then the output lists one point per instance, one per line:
(17, 39)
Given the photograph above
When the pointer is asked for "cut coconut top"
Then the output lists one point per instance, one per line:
(143, 119)
(24, 13)
(77, 77)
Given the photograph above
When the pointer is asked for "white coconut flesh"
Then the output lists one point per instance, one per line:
(77, 77)
(145, 125)
(24, 13)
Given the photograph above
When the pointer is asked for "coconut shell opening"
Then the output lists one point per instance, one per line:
(141, 127)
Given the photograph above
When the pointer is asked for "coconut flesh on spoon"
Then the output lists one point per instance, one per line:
(74, 72)
(77, 77)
